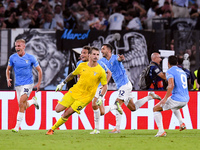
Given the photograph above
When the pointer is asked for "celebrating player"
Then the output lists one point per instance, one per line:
(124, 86)
(82, 93)
(84, 55)
(22, 64)
(177, 85)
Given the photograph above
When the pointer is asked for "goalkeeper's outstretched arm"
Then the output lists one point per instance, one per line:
(67, 79)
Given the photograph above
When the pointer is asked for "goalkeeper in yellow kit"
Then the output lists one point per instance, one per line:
(82, 93)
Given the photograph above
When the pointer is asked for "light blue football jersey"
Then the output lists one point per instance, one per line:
(23, 68)
(80, 61)
(180, 91)
(103, 65)
(118, 72)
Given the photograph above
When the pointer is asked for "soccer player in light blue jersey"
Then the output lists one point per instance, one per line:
(178, 87)
(124, 86)
(84, 55)
(23, 63)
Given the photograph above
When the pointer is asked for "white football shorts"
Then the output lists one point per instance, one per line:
(172, 104)
(98, 92)
(24, 89)
(125, 93)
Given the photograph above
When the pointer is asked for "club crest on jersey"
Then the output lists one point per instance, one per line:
(95, 73)
(26, 61)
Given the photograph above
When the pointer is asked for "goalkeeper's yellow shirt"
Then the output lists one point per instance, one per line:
(90, 77)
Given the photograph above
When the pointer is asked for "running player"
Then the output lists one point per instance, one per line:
(82, 93)
(178, 87)
(124, 86)
(22, 64)
(98, 109)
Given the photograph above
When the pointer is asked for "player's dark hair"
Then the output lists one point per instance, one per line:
(87, 48)
(108, 46)
(172, 60)
(93, 48)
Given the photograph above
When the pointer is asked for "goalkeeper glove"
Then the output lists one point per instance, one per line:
(99, 100)
(60, 86)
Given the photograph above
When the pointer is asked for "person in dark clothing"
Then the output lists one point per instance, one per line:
(156, 73)
(35, 19)
(12, 21)
(70, 21)
(10, 9)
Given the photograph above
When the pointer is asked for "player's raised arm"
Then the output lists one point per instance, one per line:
(121, 57)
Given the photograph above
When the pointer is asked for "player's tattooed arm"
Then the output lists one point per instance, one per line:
(69, 77)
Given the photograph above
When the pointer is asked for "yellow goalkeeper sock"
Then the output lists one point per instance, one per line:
(59, 123)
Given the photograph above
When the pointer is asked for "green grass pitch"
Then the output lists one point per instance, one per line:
(82, 140)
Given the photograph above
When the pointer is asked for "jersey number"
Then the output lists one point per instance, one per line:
(121, 92)
(184, 81)
(79, 108)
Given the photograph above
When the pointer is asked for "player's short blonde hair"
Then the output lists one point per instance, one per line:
(20, 40)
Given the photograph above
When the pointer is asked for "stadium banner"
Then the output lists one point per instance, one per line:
(134, 45)
(46, 116)
(58, 52)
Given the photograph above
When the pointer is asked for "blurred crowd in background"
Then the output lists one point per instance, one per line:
(92, 14)
(107, 15)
